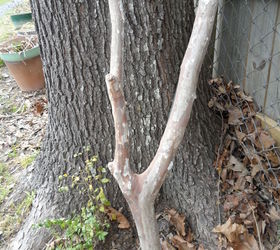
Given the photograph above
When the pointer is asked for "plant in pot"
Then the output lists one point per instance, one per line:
(21, 55)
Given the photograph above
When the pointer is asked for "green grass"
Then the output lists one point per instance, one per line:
(12, 220)
(6, 182)
(28, 160)
(13, 153)
(25, 205)
(10, 107)
(4, 1)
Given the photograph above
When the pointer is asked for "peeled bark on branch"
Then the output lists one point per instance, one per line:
(141, 190)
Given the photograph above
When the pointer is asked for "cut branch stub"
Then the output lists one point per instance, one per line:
(120, 167)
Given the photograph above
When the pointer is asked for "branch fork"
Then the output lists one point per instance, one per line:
(140, 190)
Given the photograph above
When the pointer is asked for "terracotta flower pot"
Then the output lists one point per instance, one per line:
(26, 68)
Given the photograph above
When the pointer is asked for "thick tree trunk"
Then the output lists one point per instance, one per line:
(74, 38)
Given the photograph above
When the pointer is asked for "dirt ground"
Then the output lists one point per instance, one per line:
(23, 117)
(22, 122)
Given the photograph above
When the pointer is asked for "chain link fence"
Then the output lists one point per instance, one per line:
(246, 48)
(246, 54)
(246, 51)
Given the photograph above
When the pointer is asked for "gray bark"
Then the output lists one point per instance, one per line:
(74, 38)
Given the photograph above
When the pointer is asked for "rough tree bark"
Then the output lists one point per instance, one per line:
(74, 38)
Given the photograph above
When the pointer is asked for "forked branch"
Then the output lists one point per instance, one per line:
(140, 190)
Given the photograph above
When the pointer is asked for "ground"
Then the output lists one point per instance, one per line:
(23, 118)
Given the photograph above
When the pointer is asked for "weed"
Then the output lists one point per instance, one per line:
(25, 205)
(13, 109)
(13, 153)
(6, 182)
(10, 108)
(2, 64)
(84, 229)
(28, 160)
(16, 214)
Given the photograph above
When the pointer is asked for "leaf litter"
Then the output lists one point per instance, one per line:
(21, 134)
(248, 165)
(175, 232)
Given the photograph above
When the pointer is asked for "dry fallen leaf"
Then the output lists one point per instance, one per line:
(244, 96)
(240, 183)
(211, 103)
(274, 214)
(190, 236)
(230, 230)
(245, 168)
(222, 90)
(273, 158)
(234, 115)
(248, 242)
(38, 108)
(166, 246)
(200, 247)
(255, 170)
(116, 215)
(232, 201)
(240, 135)
(177, 220)
(235, 165)
(182, 244)
(264, 141)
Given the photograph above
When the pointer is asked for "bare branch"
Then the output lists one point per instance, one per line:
(141, 190)
(155, 174)
(120, 166)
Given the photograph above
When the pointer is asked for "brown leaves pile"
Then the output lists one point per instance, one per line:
(182, 240)
(248, 164)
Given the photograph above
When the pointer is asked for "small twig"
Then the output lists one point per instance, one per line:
(9, 116)
(216, 165)
(258, 230)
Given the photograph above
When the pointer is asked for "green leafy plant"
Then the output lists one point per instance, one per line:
(13, 153)
(84, 229)
(2, 64)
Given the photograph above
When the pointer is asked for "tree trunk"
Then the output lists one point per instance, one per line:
(74, 39)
